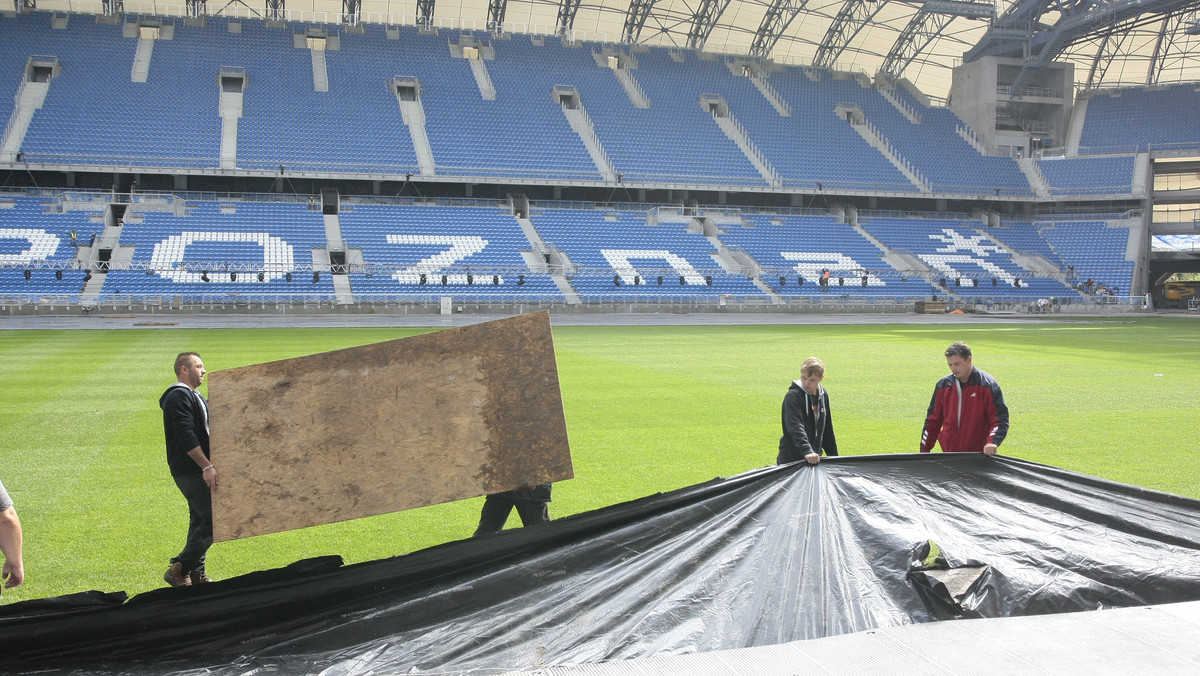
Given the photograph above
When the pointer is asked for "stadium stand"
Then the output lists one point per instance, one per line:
(427, 251)
(355, 126)
(949, 163)
(215, 250)
(794, 247)
(619, 256)
(1141, 119)
(330, 108)
(962, 257)
(1023, 237)
(36, 249)
(833, 156)
(93, 112)
(1097, 251)
(675, 139)
(1089, 175)
(523, 132)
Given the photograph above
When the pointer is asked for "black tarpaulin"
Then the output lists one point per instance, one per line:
(770, 556)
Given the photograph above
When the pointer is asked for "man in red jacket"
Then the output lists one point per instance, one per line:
(967, 413)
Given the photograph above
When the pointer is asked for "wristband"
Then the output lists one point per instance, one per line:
(202, 471)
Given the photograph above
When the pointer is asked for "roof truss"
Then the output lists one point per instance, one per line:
(779, 15)
(704, 20)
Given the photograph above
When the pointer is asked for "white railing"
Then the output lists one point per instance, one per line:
(909, 111)
(749, 144)
(765, 86)
(591, 131)
(629, 81)
(894, 152)
(12, 118)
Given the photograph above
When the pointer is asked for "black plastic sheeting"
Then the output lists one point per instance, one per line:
(770, 556)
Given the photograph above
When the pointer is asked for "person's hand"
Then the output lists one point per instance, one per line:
(210, 477)
(13, 574)
(813, 458)
(990, 449)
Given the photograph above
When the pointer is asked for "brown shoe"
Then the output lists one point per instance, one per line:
(176, 577)
(198, 577)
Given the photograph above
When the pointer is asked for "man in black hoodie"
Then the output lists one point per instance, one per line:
(807, 424)
(185, 423)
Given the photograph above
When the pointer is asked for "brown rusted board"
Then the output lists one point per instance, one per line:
(381, 428)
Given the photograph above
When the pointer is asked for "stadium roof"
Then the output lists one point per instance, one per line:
(1113, 43)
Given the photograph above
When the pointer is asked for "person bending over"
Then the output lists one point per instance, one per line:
(967, 413)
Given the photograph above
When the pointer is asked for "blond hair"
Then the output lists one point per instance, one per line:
(812, 366)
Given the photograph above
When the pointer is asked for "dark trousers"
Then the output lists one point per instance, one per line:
(200, 533)
(496, 510)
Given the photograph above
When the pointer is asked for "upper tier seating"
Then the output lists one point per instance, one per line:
(34, 233)
(95, 114)
(674, 139)
(356, 126)
(813, 148)
(523, 132)
(947, 162)
(1133, 120)
(476, 250)
(1089, 175)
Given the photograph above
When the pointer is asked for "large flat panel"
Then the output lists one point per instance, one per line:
(381, 428)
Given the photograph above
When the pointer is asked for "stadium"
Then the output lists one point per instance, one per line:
(701, 195)
(341, 157)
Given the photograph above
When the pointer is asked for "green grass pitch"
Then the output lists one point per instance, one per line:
(648, 409)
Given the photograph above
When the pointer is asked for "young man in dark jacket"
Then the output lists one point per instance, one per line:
(967, 413)
(185, 424)
(807, 423)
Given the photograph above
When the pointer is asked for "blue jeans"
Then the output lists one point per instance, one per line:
(200, 533)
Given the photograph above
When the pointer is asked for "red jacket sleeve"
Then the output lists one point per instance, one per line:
(933, 423)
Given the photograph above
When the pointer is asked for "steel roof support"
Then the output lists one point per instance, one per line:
(704, 20)
(425, 13)
(922, 29)
(1165, 47)
(850, 20)
(566, 15)
(779, 16)
(635, 18)
(496, 9)
(1108, 50)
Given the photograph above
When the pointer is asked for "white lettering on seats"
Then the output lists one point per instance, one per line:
(42, 245)
(620, 260)
(810, 265)
(278, 255)
(969, 250)
(460, 247)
